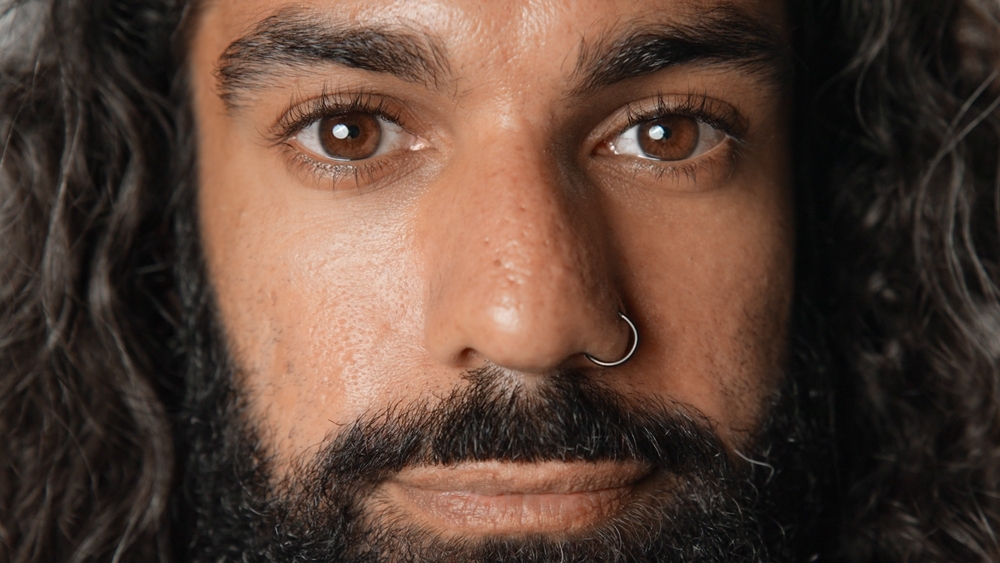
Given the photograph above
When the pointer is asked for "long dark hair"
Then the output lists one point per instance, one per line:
(897, 161)
(86, 451)
(899, 153)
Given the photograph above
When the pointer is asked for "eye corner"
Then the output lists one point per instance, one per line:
(605, 147)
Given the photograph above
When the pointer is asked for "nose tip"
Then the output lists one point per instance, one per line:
(522, 339)
(525, 339)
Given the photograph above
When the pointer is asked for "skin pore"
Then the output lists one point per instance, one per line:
(511, 187)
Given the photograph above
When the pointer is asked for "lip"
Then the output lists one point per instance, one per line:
(514, 498)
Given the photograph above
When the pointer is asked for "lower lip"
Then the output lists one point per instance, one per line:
(505, 498)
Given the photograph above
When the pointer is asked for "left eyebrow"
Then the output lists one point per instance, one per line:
(724, 36)
(290, 39)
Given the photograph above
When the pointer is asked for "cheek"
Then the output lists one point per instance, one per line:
(314, 293)
(714, 284)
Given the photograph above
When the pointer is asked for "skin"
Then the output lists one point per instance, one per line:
(506, 233)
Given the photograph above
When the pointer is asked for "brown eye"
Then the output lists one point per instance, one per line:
(669, 138)
(672, 137)
(350, 136)
(353, 136)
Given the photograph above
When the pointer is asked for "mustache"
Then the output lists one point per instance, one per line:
(566, 417)
(325, 507)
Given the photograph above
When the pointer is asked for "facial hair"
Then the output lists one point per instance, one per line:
(701, 505)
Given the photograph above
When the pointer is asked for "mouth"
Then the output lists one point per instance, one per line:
(503, 498)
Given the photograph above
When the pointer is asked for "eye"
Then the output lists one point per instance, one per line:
(354, 135)
(668, 138)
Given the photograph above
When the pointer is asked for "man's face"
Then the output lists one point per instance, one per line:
(396, 197)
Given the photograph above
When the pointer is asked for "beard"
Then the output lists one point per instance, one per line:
(700, 504)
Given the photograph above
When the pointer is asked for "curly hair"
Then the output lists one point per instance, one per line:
(901, 156)
(898, 133)
(87, 451)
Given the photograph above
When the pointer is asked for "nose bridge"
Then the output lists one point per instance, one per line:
(531, 243)
(518, 280)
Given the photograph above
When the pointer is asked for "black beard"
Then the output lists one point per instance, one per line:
(702, 507)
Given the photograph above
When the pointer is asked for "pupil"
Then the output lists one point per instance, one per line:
(342, 131)
(659, 133)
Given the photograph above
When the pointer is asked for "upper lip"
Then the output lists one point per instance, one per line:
(506, 478)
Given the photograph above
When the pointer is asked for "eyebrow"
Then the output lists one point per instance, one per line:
(723, 36)
(290, 39)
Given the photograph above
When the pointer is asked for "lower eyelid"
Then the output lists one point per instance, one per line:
(700, 174)
(343, 175)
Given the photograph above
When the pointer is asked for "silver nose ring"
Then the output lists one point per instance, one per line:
(628, 355)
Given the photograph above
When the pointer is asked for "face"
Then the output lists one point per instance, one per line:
(400, 199)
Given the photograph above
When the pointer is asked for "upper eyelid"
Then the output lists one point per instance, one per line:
(717, 113)
(299, 114)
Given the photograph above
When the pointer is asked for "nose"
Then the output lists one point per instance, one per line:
(520, 258)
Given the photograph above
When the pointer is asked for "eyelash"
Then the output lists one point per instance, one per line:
(301, 114)
(699, 107)
(702, 108)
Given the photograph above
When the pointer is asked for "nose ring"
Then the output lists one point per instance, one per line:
(628, 355)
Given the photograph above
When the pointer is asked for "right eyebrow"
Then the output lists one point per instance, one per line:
(290, 40)
(724, 36)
